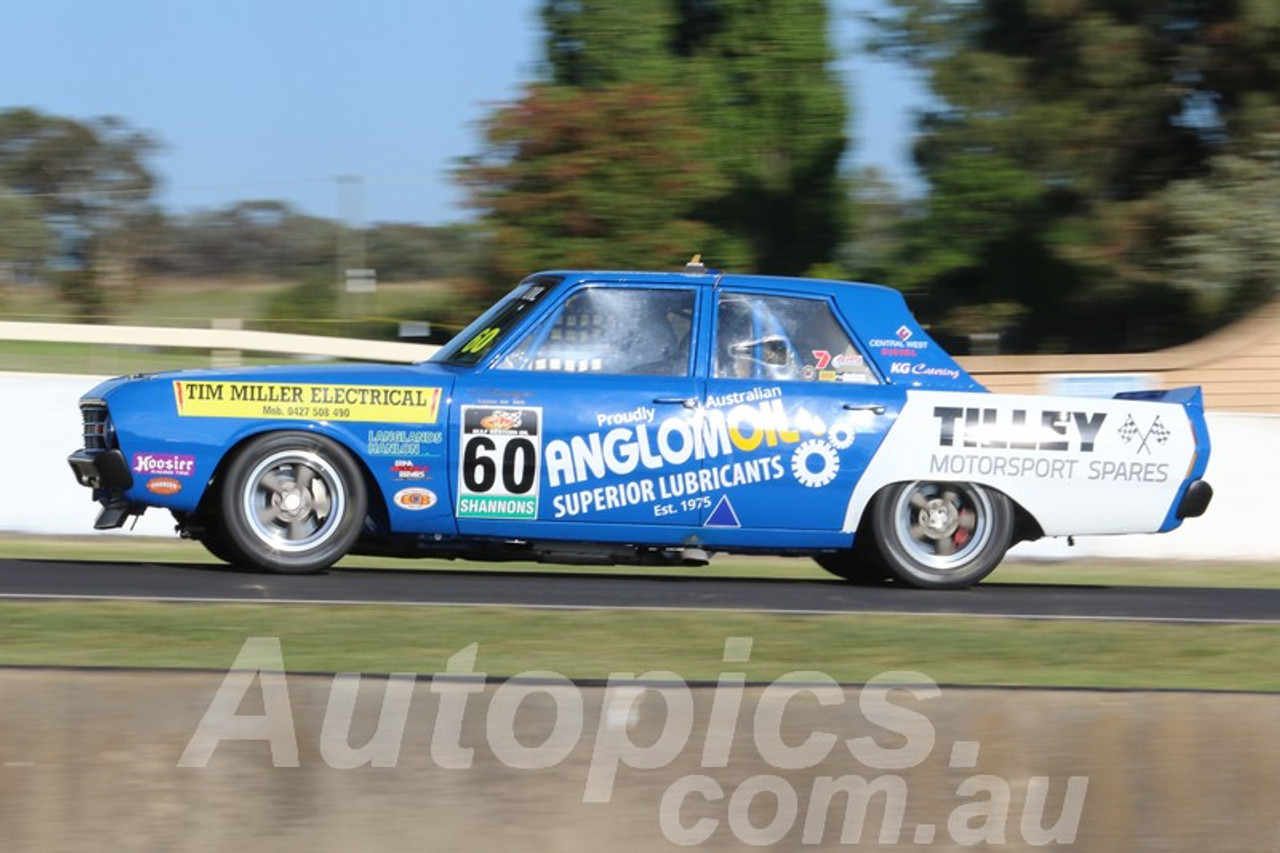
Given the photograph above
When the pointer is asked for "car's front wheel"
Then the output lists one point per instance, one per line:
(858, 565)
(292, 502)
(941, 535)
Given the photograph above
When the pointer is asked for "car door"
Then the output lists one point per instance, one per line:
(802, 412)
(577, 425)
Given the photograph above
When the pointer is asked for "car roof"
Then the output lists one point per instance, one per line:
(711, 278)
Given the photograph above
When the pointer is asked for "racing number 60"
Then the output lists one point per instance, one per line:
(519, 465)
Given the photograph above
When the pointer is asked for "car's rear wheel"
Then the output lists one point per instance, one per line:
(940, 535)
(292, 502)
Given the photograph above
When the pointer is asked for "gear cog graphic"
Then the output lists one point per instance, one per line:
(801, 462)
(841, 435)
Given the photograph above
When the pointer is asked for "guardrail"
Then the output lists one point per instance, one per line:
(217, 340)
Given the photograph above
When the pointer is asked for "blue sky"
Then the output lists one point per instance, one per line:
(276, 98)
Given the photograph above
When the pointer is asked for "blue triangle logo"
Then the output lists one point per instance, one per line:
(723, 515)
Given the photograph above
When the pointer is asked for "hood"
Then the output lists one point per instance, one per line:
(328, 374)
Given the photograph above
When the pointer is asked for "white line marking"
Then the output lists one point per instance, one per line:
(1048, 617)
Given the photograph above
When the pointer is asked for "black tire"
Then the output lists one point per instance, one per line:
(208, 533)
(292, 503)
(856, 565)
(940, 535)
(214, 542)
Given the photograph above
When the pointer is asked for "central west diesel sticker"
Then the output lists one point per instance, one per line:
(501, 453)
(297, 401)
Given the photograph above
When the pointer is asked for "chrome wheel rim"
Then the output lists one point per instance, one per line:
(943, 525)
(293, 500)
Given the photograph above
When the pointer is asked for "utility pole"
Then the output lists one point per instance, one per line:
(353, 276)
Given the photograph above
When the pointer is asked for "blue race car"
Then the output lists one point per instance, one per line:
(646, 418)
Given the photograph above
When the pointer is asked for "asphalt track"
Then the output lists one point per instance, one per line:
(49, 579)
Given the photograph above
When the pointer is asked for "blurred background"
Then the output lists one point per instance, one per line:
(1059, 187)
(1038, 176)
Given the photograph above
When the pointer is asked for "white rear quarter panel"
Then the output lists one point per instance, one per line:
(1079, 465)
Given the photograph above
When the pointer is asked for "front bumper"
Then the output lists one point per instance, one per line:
(108, 474)
(103, 469)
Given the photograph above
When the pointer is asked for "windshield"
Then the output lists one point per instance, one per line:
(474, 342)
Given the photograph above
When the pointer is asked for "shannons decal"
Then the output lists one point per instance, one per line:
(500, 462)
(298, 401)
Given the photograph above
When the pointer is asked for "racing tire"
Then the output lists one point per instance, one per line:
(935, 535)
(292, 503)
(208, 534)
(214, 542)
(855, 565)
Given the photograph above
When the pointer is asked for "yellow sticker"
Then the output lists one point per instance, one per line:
(294, 401)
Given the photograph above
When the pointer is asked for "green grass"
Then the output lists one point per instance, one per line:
(592, 644)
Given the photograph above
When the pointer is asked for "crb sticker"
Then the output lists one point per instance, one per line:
(415, 499)
(500, 462)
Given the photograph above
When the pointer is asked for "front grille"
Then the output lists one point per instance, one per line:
(96, 419)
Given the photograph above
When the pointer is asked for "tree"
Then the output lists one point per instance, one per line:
(405, 252)
(1226, 232)
(92, 187)
(739, 123)
(761, 72)
(596, 178)
(1059, 126)
(25, 239)
(249, 238)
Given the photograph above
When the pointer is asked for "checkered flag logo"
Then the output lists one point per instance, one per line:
(1131, 432)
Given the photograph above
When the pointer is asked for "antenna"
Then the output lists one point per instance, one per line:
(695, 266)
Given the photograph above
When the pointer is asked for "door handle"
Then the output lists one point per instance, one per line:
(687, 402)
(874, 408)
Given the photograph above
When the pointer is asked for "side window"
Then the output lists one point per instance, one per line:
(638, 331)
(784, 338)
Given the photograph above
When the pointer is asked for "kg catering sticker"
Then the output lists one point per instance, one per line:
(501, 462)
(295, 401)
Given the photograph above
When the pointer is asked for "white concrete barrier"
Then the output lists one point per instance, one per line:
(42, 426)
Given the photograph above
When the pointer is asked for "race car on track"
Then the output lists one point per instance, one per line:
(645, 418)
